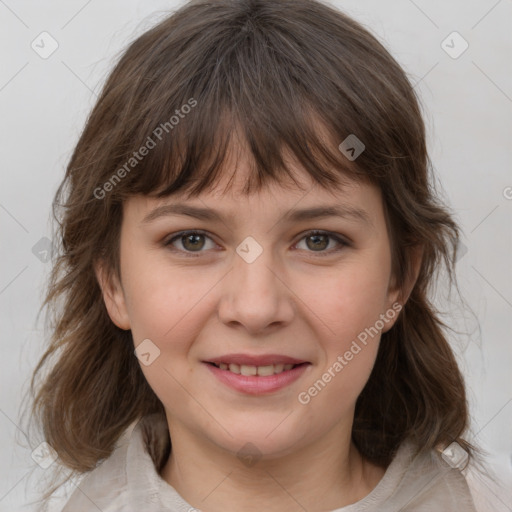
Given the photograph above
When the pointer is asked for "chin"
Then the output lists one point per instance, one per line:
(260, 440)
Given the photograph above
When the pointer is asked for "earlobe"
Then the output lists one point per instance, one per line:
(113, 296)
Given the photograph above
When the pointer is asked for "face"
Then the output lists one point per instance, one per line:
(255, 289)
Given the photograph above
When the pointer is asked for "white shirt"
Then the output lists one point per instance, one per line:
(128, 481)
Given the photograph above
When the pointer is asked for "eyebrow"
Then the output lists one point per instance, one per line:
(338, 210)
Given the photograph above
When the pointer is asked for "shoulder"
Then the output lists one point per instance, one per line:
(103, 487)
(428, 481)
(436, 485)
(127, 479)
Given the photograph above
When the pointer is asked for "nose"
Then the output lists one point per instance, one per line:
(255, 294)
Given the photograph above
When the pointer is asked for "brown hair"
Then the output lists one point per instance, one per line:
(266, 70)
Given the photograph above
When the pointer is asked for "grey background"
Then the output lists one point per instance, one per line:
(468, 111)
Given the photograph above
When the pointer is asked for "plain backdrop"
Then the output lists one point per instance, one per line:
(466, 95)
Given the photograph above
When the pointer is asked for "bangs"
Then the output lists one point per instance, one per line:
(251, 90)
(198, 155)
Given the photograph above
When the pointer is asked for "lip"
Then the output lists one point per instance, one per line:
(258, 385)
(254, 360)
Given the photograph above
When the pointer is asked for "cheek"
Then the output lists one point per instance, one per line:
(165, 303)
(349, 300)
(156, 298)
(165, 306)
(349, 308)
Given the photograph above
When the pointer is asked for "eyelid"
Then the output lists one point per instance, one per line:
(342, 240)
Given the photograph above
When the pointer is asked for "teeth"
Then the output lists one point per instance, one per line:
(278, 368)
(234, 368)
(248, 370)
(265, 370)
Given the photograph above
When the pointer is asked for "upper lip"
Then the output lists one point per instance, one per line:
(252, 360)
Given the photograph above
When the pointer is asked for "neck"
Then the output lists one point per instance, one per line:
(315, 477)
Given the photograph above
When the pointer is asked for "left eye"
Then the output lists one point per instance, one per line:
(194, 241)
(319, 240)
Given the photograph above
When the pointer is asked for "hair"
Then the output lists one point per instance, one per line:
(270, 73)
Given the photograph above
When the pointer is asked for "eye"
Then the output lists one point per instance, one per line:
(317, 241)
(194, 241)
(191, 241)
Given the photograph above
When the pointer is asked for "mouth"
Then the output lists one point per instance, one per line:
(257, 375)
(252, 370)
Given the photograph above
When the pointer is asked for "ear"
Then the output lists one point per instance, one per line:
(113, 295)
(400, 295)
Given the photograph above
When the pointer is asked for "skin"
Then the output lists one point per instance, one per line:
(291, 300)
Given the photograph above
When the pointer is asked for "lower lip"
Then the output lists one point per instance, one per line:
(254, 385)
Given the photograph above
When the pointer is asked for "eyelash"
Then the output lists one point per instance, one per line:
(341, 241)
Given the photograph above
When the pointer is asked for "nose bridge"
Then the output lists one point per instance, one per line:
(255, 296)
(253, 263)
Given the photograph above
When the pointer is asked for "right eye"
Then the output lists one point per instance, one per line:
(191, 241)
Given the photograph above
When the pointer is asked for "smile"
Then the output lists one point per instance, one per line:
(256, 380)
(249, 370)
